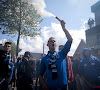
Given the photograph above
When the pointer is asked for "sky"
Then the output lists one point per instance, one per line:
(74, 12)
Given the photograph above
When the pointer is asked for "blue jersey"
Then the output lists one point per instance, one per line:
(61, 79)
(90, 69)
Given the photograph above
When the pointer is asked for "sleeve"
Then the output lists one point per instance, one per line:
(81, 68)
(42, 67)
(66, 48)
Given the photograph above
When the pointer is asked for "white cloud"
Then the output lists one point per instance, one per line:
(3, 41)
(77, 36)
(36, 45)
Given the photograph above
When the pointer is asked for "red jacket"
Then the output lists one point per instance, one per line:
(70, 70)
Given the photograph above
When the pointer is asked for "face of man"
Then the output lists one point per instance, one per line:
(52, 44)
(27, 55)
(7, 48)
(87, 53)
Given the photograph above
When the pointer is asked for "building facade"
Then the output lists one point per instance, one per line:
(79, 49)
(93, 33)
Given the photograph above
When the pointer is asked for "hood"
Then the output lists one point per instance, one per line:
(83, 52)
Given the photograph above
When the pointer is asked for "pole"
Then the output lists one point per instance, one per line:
(43, 49)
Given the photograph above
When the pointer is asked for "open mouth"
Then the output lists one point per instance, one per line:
(53, 45)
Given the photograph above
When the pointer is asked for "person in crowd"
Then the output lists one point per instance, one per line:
(25, 73)
(14, 77)
(89, 71)
(6, 66)
(69, 70)
(32, 63)
(19, 60)
(54, 64)
(76, 72)
(37, 74)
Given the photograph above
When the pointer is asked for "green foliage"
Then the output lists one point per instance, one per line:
(13, 48)
(18, 16)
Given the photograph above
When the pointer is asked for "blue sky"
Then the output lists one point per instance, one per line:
(74, 12)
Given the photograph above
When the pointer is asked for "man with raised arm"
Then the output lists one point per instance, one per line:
(54, 64)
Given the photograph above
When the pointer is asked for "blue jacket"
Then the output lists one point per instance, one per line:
(90, 68)
(61, 67)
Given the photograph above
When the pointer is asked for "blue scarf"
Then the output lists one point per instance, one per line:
(52, 63)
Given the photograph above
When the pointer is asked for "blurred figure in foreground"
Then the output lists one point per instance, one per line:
(76, 72)
(6, 66)
(89, 71)
(25, 74)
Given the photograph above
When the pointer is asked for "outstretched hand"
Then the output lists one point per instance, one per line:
(62, 22)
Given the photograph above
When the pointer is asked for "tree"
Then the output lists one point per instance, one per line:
(13, 48)
(19, 18)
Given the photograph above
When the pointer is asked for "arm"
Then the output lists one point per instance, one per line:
(41, 73)
(67, 46)
(66, 31)
(86, 81)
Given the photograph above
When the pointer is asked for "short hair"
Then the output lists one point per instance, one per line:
(7, 43)
(50, 38)
(19, 58)
(61, 45)
(27, 52)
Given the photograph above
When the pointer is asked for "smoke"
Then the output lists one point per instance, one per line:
(40, 6)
